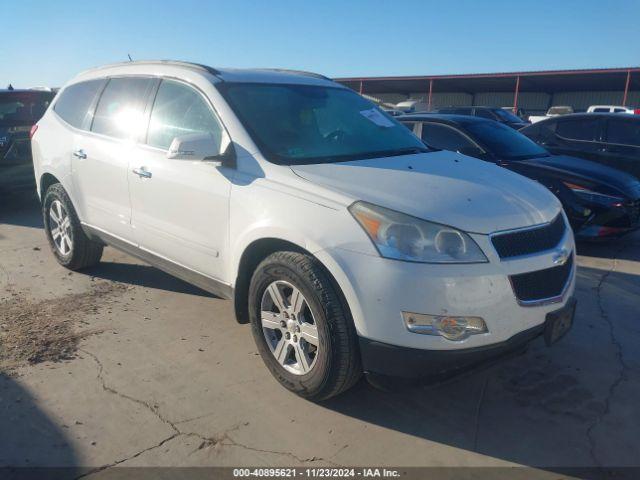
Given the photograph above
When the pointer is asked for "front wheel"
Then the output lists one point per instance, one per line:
(302, 327)
(71, 247)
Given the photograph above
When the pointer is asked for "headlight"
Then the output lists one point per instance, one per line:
(591, 195)
(403, 237)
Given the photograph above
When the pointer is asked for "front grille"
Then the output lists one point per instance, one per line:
(542, 284)
(531, 240)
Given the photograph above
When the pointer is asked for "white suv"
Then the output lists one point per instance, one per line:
(348, 244)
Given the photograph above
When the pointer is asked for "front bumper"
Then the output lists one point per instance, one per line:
(390, 360)
(378, 290)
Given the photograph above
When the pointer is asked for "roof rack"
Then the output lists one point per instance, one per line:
(299, 72)
(196, 66)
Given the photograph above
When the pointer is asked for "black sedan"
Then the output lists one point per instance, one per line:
(612, 139)
(599, 201)
(19, 111)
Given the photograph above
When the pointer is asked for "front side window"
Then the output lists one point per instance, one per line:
(297, 124)
(504, 142)
(120, 111)
(448, 138)
(587, 129)
(75, 101)
(179, 110)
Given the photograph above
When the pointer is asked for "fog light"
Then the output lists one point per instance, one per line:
(451, 328)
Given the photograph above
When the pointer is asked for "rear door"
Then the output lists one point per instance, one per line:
(101, 157)
(621, 148)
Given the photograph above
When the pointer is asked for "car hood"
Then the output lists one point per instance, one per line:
(626, 183)
(442, 187)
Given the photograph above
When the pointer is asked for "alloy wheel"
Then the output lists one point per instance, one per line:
(289, 327)
(60, 227)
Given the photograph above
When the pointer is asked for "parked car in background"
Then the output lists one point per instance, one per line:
(346, 243)
(612, 109)
(552, 112)
(492, 113)
(599, 201)
(608, 138)
(19, 111)
(411, 106)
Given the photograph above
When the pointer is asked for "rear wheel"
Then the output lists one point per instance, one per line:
(301, 326)
(71, 247)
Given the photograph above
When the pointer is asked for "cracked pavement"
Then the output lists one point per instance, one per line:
(169, 379)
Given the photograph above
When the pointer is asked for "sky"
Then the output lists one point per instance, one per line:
(45, 43)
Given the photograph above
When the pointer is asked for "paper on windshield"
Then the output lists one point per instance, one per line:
(374, 115)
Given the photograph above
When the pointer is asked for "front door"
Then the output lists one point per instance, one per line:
(180, 208)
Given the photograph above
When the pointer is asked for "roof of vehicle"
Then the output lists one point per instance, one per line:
(631, 118)
(240, 75)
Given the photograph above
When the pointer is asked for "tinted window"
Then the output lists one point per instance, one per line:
(75, 101)
(447, 138)
(504, 142)
(579, 128)
(179, 110)
(508, 115)
(484, 113)
(623, 131)
(22, 108)
(410, 125)
(600, 110)
(316, 124)
(120, 111)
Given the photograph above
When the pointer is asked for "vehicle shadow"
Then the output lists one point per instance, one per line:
(31, 445)
(21, 208)
(567, 406)
(143, 276)
(625, 248)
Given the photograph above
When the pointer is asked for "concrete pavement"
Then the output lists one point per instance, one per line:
(164, 376)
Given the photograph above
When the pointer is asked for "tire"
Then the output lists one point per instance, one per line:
(335, 364)
(77, 250)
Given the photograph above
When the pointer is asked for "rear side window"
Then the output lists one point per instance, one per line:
(179, 110)
(579, 129)
(446, 138)
(76, 100)
(120, 111)
(623, 131)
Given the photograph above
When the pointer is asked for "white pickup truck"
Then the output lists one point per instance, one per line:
(552, 112)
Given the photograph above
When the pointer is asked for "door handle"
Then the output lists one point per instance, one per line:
(80, 154)
(142, 172)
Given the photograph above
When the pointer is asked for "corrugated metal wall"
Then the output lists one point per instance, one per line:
(580, 101)
(532, 102)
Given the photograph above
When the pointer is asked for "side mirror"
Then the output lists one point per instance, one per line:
(203, 147)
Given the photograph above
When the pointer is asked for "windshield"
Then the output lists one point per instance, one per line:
(507, 116)
(22, 108)
(504, 142)
(297, 124)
